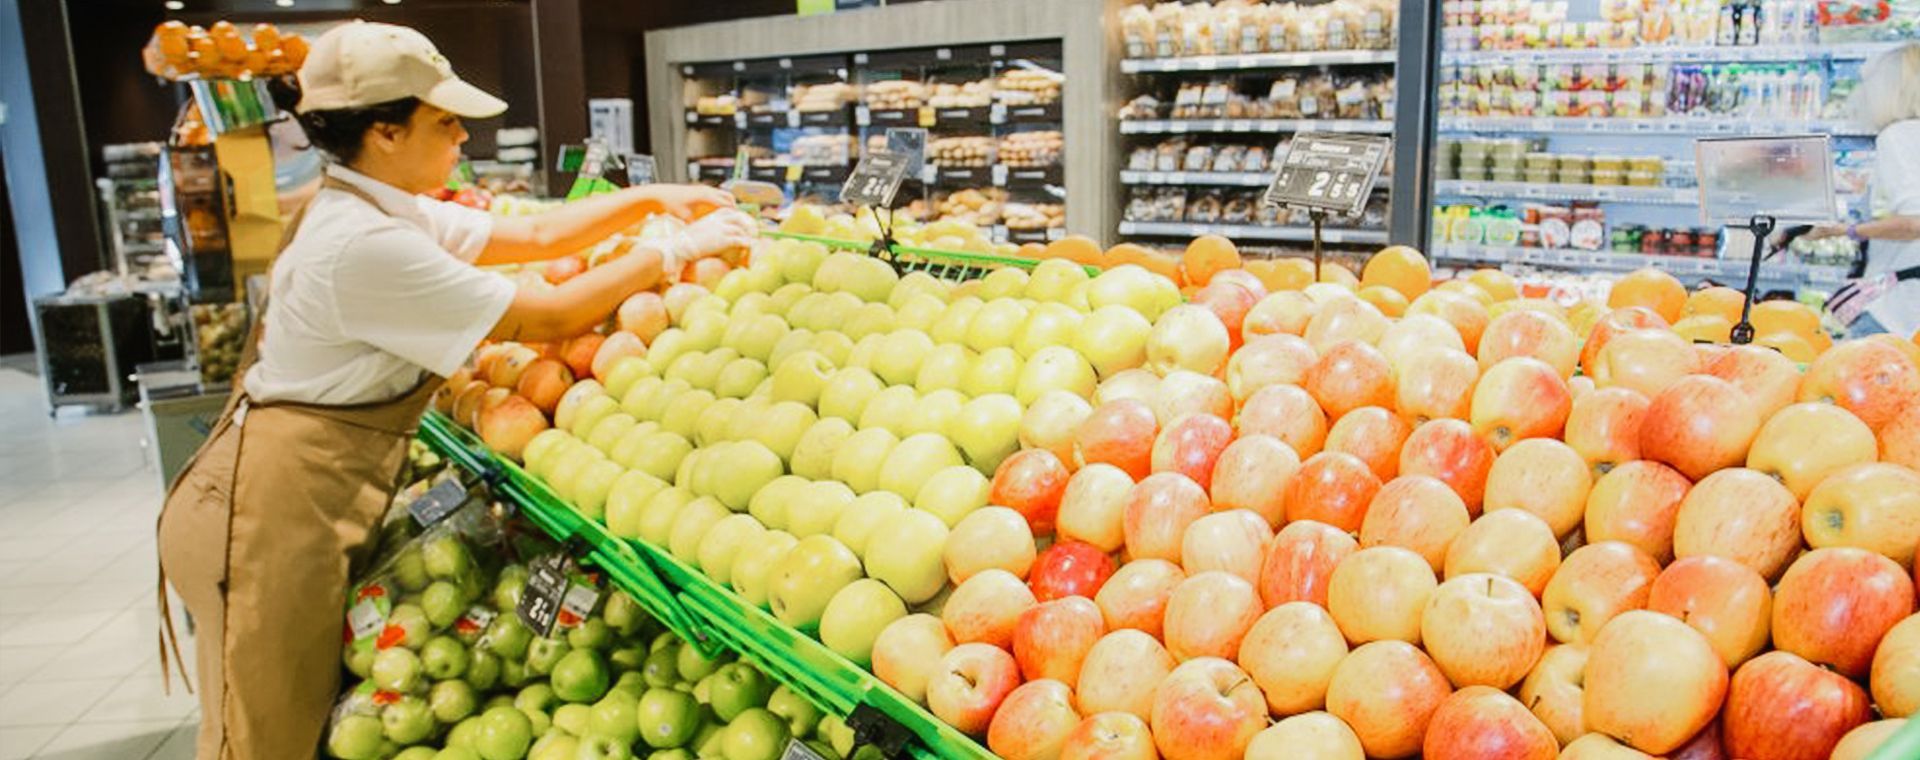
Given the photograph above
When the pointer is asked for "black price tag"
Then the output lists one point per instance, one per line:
(912, 143)
(875, 180)
(1329, 172)
(640, 169)
(798, 750)
(545, 593)
(438, 502)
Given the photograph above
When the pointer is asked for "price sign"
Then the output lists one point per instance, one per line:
(640, 169)
(1329, 172)
(545, 593)
(438, 502)
(875, 180)
(910, 142)
(798, 750)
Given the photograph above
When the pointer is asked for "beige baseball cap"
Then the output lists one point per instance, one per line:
(361, 63)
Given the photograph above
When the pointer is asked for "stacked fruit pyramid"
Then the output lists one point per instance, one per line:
(1363, 516)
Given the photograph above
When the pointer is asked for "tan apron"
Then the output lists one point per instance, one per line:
(259, 536)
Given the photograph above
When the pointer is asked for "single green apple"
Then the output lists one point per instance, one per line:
(856, 615)
(753, 567)
(544, 653)
(756, 735)
(397, 669)
(581, 676)
(443, 657)
(807, 578)
(504, 733)
(667, 718)
(907, 553)
(451, 701)
(616, 715)
(407, 721)
(736, 687)
(355, 737)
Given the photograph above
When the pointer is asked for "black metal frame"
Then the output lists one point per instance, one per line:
(1416, 69)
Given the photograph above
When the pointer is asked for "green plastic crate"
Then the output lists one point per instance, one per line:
(932, 256)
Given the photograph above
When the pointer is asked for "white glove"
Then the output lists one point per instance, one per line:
(711, 235)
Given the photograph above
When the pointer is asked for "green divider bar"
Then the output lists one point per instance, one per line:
(937, 255)
(1904, 745)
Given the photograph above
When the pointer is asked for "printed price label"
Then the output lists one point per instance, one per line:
(438, 502)
(798, 750)
(545, 593)
(910, 142)
(366, 619)
(1329, 172)
(875, 179)
(641, 169)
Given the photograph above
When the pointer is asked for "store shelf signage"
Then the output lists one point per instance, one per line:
(641, 169)
(545, 592)
(910, 142)
(1329, 172)
(875, 180)
(1788, 178)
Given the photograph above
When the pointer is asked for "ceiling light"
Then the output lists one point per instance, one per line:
(283, 3)
(391, 2)
(175, 5)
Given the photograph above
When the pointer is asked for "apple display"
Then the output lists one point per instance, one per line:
(1159, 509)
(1052, 638)
(1869, 506)
(1511, 543)
(989, 538)
(1742, 515)
(1415, 512)
(1483, 630)
(1137, 593)
(907, 653)
(1206, 709)
(1652, 682)
(1290, 653)
(1781, 706)
(1380, 593)
(1122, 673)
(1833, 606)
(1387, 692)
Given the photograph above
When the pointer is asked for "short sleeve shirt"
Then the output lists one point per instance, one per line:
(365, 299)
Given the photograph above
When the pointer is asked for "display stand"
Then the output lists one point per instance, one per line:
(1754, 183)
(1325, 172)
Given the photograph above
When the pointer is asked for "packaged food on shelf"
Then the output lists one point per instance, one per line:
(1034, 216)
(1031, 149)
(1285, 96)
(1522, 25)
(974, 94)
(895, 94)
(832, 96)
(977, 206)
(960, 151)
(823, 150)
(1170, 30)
(716, 105)
(1029, 86)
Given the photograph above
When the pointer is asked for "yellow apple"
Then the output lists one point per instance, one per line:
(954, 322)
(753, 565)
(1048, 324)
(1113, 339)
(910, 464)
(814, 508)
(906, 551)
(988, 428)
(813, 454)
(945, 367)
(1054, 279)
(953, 492)
(935, 411)
(996, 324)
(847, 392)
(769, 504)
(858, 461)
(748, 466)
(1055, 368)
(996, 371)
(898, 357)
(801, 377)
(861, 518)
(723, 542)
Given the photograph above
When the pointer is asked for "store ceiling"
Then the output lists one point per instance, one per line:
(300, 6)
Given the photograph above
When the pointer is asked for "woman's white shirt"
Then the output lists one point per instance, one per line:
(1896, 188)
(365, 299)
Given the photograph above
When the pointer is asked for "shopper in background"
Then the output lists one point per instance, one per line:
(1887, 298)
(374, 299)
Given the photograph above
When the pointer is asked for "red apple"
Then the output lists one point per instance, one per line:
(1291, 653)
(1208, 709)
(1282, 312)
(1094, 505)
(1451, 451)
(1348, 376)
(1159, 509)
(1615, 323)
(1742, 515)
(1234, 541)
(1524, 332)
(1483, 630)
(1699, 425)
(508, 426)
(1332, 488)
(1554, 690)
(1652, 682)
(1344, 319)
(1254, 473)
(1208, 614)
(1380, 593)
(1183, 392)
(1483, 723)
(1285, 412)
(987, 608)
(1435, 384)
(1834, 605)
(1637, 502)
(1895, 676)
(1069, 568)
(1373, 434)
(907, 653)
(1870, 378)
(1190, 446)
(1520, 398)
(1781, 706)
(1415, 512)
(1228, 301)
(1136, 596)
(971, 683)
(1031, 482)
(544, 382)
(1051, 639)
(1596, 583)
(1871, 506)
(1033, 722)
(1122, 672)
(1109, 736)
(1900, 438)
(1301, 560)
(1604, 427)
(1268, 360)
(504, 371)
(578, 353)
(1387, 691)
(1308, 736)
(1511, 543)
(1467, 315)
(1765, 375)
(1119, 433)
(1725, 601)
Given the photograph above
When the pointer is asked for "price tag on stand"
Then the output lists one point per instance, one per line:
(798, 750)
(1329, 172)
(438, 502)
(910, 142)
(875, 180)
(545, 592)
(641, 169)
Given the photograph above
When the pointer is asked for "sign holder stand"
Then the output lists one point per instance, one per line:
(1753, 184)
(1762, 228)
(1324, 173)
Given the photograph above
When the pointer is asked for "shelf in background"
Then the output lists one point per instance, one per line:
(1670, 54)
(1262, 126)
(1253, 232)
(1233, 179)
(1684, 267)
(1666, 196)
(1255, 61)
(1677, 125)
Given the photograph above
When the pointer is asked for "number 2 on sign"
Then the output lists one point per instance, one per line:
(1320, 180)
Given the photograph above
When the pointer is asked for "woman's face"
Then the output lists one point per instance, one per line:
(424, 152)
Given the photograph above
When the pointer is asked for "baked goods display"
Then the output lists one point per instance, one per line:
(831, 96)
(956, 152)
(1031, 149)
(977, 206)
(895, 94)
(1172, 30)
(1035, 216)
(975, 94)
(1029, 86)
(1292, 95)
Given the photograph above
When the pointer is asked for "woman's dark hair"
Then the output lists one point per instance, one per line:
(339, 132)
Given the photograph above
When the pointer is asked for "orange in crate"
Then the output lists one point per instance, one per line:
(1078, 249)
(1401, 268)
(1206, 256)
(1653, 289)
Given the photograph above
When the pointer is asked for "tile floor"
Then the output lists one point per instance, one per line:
(79, 663)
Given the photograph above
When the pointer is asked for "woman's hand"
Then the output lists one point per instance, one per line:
(1824, 231)
(686, 201)
(714, 234)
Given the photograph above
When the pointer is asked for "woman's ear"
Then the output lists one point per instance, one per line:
(385, 137)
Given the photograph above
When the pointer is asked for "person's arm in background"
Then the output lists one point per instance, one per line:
(581, 223)
(1890, 227)
(578, 304)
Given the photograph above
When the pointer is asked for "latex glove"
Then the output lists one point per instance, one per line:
(687, 201)
(714, 234)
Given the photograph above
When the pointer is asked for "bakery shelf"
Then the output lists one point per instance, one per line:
(1233, 179)
(1676, 125)
(1253, 232)
(1666, 196)
(1255, 61)
(1259, 126)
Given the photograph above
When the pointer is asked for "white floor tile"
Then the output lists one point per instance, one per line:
(20, 663)
(108, 741)
(35, 629)
(179, 744)
(52, 703)
(97, 659)
(21, 743)
(141, 697)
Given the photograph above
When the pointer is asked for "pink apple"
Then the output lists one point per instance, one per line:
(1291, 653)
(1834, 605)
(1387, 691)
(1031, 482)
(1033, 721)
(1416, 512)
(1253, 473)
(1159, 509)
(906, 655)
(1373, 434)
(1122, 672)
(1182, 392)
(1050, 422)
(1301, 560)
(1052, 638)
(1136, 596)
(1480, 722)
(1208, 614)
(1332, 488)
(1286, 412)
(1191, 445)
(987, 608)
(1069, 568)
(1208, 709)
(1233, 541)
(1119, 433)
(1094, 505)
(1110, 736)
(1268, 360)
(1483, 630)
(970, 684)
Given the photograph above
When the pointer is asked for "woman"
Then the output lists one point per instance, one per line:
(374, 299)
(1887, 298)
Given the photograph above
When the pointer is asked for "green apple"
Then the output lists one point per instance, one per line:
(572, 718)
(755, 336)
(544, 653)
(628, 499)
(358, 660)
(542, 722)
(407, 721)
(538, 697)
(514, 674)
(856, 615)
(890, 409)
(847, 392)
(898, 358)
(707, 741)
(701, 692)
(416, 753)
(443, 657)
(397, 669)
(451, 701)
(815, 508)
(589, 494)
(934, 411)
(1113, 339)
(694, 665)
(483, 667)
(945, 367)
(917, 457)
(864, 352)
(627, 661)
(714, 420)
(801, 715)
(634, 402)
(834, 345)
(1052, 280)
(858, 521)
(987, 430)
(801, 376)
(624, 373)
(906, 552)
(918, 311)
(543, 443)
(994, 371)
(581, 676)
(667, 718)
(807, 578)
(837, 733)
(504, 733)
(555, 745)
(599, 747)
(755, 735)
(813, 453)
(662, 668)
(996, 325)
(683, 419)
(953, 323)
(410, 571)
(1005, 282)
(452, 752)
(443, 602)
(356, 737)
(655, 404)
(858, 461)
(1048, 324)
(739, 377)
(753, 568)
(616, 715)
(866, 277)
(748, 466)
(698, 517)
(953, 492)
(737, 687)
(769, 504)
(507, 587)
(446, 557)
(657, 518)
(592, 633)
(610, 430)
(781, 426)
(623, 613)
(1056, 368)
(590, 413)
(460, 737)
(660, 455)
(723, 543)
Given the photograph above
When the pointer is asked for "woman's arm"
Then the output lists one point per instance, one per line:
(581, 223)
(1889, 227)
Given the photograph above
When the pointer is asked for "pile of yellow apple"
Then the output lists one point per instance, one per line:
(865, 227)
(1368, 517)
